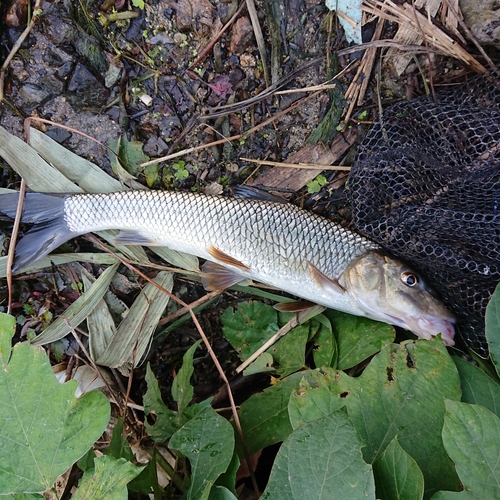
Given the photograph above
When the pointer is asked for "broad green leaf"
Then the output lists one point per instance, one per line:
(253, 323)
(264, 416)
(78, 311)
(7, 330)
(397, 475)
(492, 324)
(44, 428)
(312, 399)
(221, 493)
(208, 442)
(456, 495)
(130, 153)
(165, 423)
(133, 336)
(119, 447)
(477, 386)
(108, 481)
(325, 351)
(401, 393)
(228, 479)
(471, 436)
(321, 460)
(358, 338)
(289, 352)
(249, 326)
(182, 390)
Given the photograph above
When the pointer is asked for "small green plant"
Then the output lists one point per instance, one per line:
(316, 184)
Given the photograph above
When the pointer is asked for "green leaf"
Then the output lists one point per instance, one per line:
(313, 399)
(492, 324)
(454, 495)
(471, 436)
(130, 153)
(289, 352)
(7, 330)
(397, 475)
(221, 493)
(321, 460)
(264, 416)
(166, 419)
(119, 447)
(249, 326)
(208, 441)
(108, 481)
(325, 351)
(44, 428)
(228, 479)
(401, 393)
(477, 386)
(358, 338)
(182, 390)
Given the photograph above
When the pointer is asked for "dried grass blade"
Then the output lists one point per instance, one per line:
(78, 311)
(61, 258)
(133, 337)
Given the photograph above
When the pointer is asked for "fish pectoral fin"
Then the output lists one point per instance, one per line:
(226, 259)
(297, 306)
(133, 238)
(216, 277)
(324, 281)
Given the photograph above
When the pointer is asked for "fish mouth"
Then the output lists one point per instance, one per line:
(428, 327)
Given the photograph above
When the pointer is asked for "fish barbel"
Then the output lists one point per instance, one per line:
(274, 243)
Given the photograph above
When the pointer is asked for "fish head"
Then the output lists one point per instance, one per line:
(390, 291)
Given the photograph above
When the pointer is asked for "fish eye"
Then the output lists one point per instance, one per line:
(409, 278)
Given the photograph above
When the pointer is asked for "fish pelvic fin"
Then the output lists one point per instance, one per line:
(49, 231)
(297, 306)
(324, 281)
(216, 277)
(223, 257)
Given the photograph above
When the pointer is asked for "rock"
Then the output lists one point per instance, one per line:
(482, 17)
(242, 36)
(190, 14)
(84, 90)
(34, 95)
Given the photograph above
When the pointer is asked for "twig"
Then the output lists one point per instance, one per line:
(310, 166)
(212, 42)
(292, 323)
(254, 18)
(233, 137)
(12, 244)
(36, 12)
(205, 341)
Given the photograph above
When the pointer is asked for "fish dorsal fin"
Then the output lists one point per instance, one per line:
(253, 193)
(324, 281)
(216, 277)
(223, 257)
(297, 306)
(134, 238)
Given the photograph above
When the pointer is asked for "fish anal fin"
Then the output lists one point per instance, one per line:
(226, 259)
(324, 281)
(134, 238)
(297, 306)
(216, 277)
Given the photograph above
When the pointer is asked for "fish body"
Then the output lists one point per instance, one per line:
(276, 244)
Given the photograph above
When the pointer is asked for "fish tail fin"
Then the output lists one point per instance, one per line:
(49, 231)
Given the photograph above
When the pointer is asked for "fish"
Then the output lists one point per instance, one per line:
(277, 244)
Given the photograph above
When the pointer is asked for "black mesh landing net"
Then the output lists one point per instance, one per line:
(426, 186)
